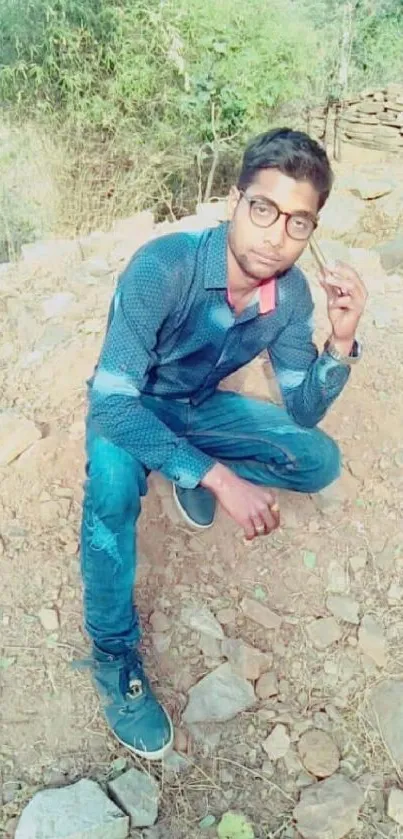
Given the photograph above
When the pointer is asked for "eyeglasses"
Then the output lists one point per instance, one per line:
(264, 213)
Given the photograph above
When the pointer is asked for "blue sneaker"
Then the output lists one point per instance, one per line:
(197, 506)
(135, 716)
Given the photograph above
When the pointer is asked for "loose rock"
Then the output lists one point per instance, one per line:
(369, 188)
(344, 608)
(137, 794)
(58, 303)
(391, 254)
(161, 642)
(358, 563)
(277, 743)
(207, 735)
(211, 647)
(267, 686)
(319, 753)
(329, 809)
(324, 632)
(341, 214)
(386, 705)
(246, 661)
(53, 335)
(395, 806)
(260, 614)
(175, 764)
(372, 641)
(72, 812)
(220, 696)
(225, 616)
(337, 578)
(159, 622)
(202, 620)
(395, 593)
(16, 435)
(10, 791)
(49, 619)
(96, 267)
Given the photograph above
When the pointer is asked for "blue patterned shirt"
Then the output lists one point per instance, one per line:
(172, 333)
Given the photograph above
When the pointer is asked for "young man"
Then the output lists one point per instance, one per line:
(189, 310)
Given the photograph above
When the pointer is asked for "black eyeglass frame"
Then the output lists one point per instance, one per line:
(252, 199)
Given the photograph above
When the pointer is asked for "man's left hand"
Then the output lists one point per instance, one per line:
(346, 299)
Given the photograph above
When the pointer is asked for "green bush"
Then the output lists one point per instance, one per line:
(183, 80)
(152, 100)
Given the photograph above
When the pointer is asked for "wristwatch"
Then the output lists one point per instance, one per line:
(354, 356)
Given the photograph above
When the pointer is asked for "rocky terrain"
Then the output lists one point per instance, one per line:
(280, 660)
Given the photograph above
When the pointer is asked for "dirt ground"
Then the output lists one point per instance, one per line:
(348, 541)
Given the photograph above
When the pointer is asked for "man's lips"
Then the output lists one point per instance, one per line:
(268, 258)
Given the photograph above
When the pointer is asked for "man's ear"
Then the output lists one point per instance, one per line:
(233, 199)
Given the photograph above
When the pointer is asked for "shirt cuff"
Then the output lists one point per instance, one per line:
(187, 466)
(331, 373)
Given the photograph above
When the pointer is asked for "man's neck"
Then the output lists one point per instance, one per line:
(239, 283)
(240, 286)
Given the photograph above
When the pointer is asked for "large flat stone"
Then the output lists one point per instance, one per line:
(80, 811)
(261, 614)
(372, 641)
(137, 793)
(329, 809)
(341, 214)
(369, 188)
(16, 435)
(245, 660)
(324, 632)
(386, 707)
(218, 697)
(392, 254)
(199, 618)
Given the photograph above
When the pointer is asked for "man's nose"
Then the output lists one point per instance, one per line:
(276, 233)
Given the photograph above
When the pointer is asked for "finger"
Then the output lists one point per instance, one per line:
(273, 505)
(270, 498)
(270, 517)
(337, 292)
(261, 526)
(345, 302)
(339, 284)
(249, 530)
(264, 524)
(343, 270)
(330, 290)
(347, 276)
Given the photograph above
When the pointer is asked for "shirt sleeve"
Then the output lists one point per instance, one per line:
(144, 298)
(309, 382)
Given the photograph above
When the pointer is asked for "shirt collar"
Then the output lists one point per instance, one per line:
(216, 268)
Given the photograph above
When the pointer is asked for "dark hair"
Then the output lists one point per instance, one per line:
(293, 153)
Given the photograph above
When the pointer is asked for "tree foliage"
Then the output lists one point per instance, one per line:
(177, 85)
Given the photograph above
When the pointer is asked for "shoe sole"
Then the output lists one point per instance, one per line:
(160, 753)
(187, 518)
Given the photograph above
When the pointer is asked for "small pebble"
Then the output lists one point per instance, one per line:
(225, 616)
(49, 619)
(277, 743)
(159, 621)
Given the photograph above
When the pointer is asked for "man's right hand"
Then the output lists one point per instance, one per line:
(253, 508)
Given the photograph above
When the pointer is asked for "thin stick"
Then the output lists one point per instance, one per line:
(257, 774)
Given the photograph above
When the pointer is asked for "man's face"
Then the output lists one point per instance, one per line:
(263, 252)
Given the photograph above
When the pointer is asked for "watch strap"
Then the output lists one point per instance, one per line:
(353, 358)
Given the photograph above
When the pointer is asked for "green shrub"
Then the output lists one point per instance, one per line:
(151, 101)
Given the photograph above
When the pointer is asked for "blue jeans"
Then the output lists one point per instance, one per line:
(257, 440)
